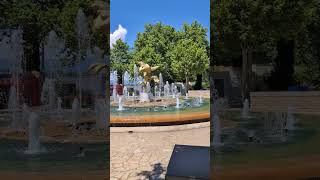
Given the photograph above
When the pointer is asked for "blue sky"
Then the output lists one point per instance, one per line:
(132, 15)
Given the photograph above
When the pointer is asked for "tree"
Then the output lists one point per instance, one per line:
(256, 26)
(152, 47)
(307, 64)
(197, 33)
(189, 59)
(37, 18)
(120, 57)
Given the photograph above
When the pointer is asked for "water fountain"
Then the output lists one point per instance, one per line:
(101, 114)
(177, 102)
(125, 92)
(82, 37)
(26, 111)
(150, 95)
(34, 134)
(126, 78)
(160, 83)
(75, 111)
(59, 108)
(245, 109)
(16, 58)
(200, 99)
(290, 121)
(48, 94)
(167, 90)
(216, 131)
(120, 108)
(13, 107)
(31, 123)
(113, 82)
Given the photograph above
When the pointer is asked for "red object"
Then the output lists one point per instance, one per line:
(119, 89)
(31, 89)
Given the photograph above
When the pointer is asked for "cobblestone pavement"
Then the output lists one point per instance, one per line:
(142, 156)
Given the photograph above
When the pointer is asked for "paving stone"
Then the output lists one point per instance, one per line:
(146, 155)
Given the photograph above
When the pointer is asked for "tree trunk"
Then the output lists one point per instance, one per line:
(246, 72)
(187, 84)
(282, 75)
(198, 84)
(31, 50)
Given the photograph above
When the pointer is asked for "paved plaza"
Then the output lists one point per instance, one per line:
(145, 155)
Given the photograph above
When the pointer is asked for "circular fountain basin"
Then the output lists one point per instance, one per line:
(189, 111)
(238, 153)
(56, 158)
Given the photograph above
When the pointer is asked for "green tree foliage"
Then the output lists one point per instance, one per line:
(244, 27)
(152, 47)
(157, 45)
(120, 57)
(307, 64)
(37, 18)
(189, 58)
(196, 33)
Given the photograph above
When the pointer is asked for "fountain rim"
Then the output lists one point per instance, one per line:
(162, 120)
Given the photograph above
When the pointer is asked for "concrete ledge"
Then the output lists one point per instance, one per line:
(150, 129)
(301, 101)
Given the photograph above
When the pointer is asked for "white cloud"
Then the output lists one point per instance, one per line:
(120, 33)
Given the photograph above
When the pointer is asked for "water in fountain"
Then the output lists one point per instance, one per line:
(290, 121)
(125, 92)
(135, 79)
(126, 78)
(245, 109)
(177, 102)
(200, 99)
(82, 37)
(185, 92)
(156, 91)
(59, 108)
(101, 113)
(148, 88)
(114, 92)
(16, 58)
(216, 131)
(176, 90)
(25, 114)
(167, 89)
(120, 105)
(172, 90)
(113, 81)
(13, 107)
(52, 54)
(160, 84)
(144, 96)
(75, 111)
(34, 134)
(113, 77)
(48, 93)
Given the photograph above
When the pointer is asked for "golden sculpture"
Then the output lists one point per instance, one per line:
(147, 70)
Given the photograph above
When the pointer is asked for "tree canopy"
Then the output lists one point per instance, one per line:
(244, 27)
(177, 52)
(120, 56)
(37, 18)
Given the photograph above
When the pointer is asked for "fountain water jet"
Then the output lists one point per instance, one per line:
(101, 113)
(120, 105)
(34, 134)
(290, 121)
(216, 131)
(75, 111)
(13, 107)
(245, 109)
(177, 102)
